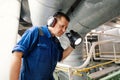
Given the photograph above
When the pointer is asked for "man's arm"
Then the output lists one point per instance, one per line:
(66, 52)
(15, 65)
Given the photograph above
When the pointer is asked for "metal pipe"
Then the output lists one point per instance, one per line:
(90, 14)
(86, 42)
(114, 50)
(104, 34)
(95, 66)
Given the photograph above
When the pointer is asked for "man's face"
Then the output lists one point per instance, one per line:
(60, 27)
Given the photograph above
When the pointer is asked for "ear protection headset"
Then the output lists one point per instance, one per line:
(51, 21)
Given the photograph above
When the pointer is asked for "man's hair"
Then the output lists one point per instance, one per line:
(61, 14)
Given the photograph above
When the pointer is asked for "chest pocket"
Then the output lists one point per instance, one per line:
(43, 52)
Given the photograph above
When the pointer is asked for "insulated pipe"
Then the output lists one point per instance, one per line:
(9, 21)
(41, 10)
(93, 13)
(25, 12)
(91, 52)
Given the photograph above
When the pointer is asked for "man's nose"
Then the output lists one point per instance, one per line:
(64, 29)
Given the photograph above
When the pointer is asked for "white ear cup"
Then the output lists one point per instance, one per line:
(50, 21)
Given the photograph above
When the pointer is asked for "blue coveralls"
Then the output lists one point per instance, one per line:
(40, 62)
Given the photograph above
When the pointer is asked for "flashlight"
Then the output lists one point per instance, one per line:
(74, 38)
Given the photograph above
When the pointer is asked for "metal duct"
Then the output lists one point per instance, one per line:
(41, 10)
(92, 13)
(25, 12)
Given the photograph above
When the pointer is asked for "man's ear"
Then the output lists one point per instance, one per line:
(52, 21)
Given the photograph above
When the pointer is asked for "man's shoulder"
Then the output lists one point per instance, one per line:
(33, 28)
(36, 30)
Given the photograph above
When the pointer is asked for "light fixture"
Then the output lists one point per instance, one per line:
(74, 37)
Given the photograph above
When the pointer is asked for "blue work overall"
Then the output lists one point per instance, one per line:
(40, 62)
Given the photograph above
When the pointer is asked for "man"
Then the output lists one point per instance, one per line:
(39, 62)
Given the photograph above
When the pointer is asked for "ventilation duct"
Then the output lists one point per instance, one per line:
(93, 13)
(41, 10)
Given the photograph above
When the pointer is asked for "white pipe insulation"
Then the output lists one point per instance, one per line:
(93, 13)
(92, 49)
(41, 10)
(9, 21)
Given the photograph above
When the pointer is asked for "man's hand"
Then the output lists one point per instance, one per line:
(74, 38)
(72, 45)
(71, 42)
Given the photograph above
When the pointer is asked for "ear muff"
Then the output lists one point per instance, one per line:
(51, 21)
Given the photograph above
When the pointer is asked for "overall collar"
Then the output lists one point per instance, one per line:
(46, 31)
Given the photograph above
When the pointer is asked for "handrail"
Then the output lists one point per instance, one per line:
(104, 34)
(112, 41)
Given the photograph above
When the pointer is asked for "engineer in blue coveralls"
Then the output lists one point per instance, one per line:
(39, 62)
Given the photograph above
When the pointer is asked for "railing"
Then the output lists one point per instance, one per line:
(103, 54)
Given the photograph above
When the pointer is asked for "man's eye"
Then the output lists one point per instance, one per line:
(62, 26)
(65, 28)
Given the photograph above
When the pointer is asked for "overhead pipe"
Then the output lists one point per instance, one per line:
(25, 12)
(9, 22)
(91, 13)
(41, 10)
